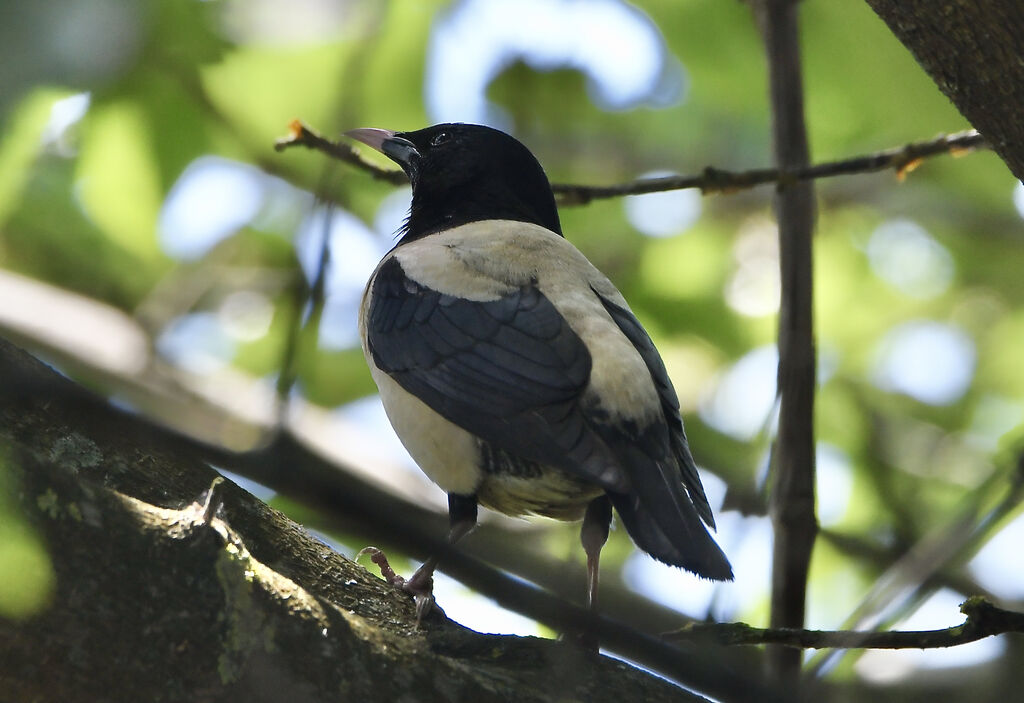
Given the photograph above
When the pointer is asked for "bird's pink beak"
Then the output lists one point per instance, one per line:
(371, 136)
(398, 149)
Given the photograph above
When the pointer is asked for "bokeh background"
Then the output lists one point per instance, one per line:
(154, 246)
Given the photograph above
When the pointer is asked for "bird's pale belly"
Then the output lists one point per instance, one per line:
(517, 486)
(552, 493)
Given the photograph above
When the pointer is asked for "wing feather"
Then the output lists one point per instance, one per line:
(636, 334)
(511, 370)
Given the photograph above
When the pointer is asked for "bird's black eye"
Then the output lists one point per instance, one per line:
(440, 138)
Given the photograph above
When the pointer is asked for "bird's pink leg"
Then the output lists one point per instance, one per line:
(593, 535)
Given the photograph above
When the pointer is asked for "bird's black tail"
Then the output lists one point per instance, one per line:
(660, 517)
(663, 506)
(690, 547)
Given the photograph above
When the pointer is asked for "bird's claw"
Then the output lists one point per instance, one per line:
(380, 559)
(420, 585)
(424, 604)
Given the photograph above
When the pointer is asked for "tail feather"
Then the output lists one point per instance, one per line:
(660, 515)
(691, 479)
(670, 536)
(664, 503)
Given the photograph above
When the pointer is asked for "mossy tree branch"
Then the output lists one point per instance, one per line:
(166, 592)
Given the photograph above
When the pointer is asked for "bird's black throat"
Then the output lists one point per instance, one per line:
(435, 212)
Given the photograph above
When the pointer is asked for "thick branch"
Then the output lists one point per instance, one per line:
(224, 599)
(901, 159)
(983, 620)
(290, 459)
(972, 51)
(44, 413)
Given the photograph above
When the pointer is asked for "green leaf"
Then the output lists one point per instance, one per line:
(28, 579)
(118, 172)
(20, 145)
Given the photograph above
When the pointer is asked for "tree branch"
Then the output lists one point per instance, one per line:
(972, 52)
(791, 501)
(39, 405)
(983, 620)
(172, 584)
(301, 135)
(209, 413)
(902, 160)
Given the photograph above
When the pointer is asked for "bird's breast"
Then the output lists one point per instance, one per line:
(446, 453)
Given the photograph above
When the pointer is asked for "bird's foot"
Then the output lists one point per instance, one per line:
(420, 585)
(587, 640)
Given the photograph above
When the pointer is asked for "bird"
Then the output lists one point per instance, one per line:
(513, 370)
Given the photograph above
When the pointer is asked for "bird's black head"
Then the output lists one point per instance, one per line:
(463, 173)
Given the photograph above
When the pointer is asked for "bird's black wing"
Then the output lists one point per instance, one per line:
(660, 516)
(636, 334)
(511, 370)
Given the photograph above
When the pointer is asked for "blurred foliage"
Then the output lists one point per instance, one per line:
(171, 81)
(28, 581)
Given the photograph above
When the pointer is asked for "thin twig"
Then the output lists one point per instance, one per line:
(301, 135)
(902, 160)
(911, 579)
(983, 620)
(307, 306)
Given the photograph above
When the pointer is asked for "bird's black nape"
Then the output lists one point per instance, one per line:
(464, 173)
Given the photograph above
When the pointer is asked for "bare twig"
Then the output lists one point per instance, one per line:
(912, 578)
(983, 620)
(901, 159)
(791, 503)
(301, 135)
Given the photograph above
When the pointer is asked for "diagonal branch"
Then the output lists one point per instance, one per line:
(292, 469)
(983, 620)
(902, 160)
(971, 50)
(198, 591)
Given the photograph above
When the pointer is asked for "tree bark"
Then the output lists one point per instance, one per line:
(972, 50)
(168, 591)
